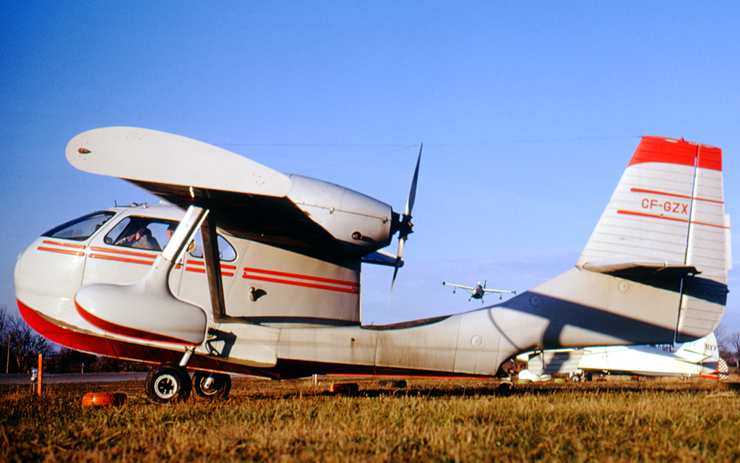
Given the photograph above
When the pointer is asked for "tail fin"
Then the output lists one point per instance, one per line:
(666, 218)
(703, 350)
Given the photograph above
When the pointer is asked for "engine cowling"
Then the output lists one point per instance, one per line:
(363, 224)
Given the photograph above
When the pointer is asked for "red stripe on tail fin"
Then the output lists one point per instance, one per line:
(682, 152)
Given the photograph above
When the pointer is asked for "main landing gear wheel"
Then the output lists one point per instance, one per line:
(168, 384)
(211, 385)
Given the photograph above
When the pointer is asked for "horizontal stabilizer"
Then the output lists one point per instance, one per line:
(554, 361)
(701, 350)
(641, 269)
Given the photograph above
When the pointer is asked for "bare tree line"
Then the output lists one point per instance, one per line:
(21, 345)
(728, 344)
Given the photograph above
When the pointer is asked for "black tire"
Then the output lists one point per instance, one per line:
(218, 389)
(168, 384)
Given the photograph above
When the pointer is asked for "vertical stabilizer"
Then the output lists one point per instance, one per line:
(666, 218)
(703, 350)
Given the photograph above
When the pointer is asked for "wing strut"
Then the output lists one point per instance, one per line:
(212, 259)
(185, 231)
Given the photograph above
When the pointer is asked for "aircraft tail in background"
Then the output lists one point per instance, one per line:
(696, 358)
(703, 350)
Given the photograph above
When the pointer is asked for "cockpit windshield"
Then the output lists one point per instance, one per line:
(81, 228)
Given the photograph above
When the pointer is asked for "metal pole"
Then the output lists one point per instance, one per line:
(7, 361)
(41, 375)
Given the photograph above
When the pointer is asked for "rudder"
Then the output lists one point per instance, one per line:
(666, 219)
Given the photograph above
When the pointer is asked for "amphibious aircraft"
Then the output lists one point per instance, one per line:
(698, 358)
(478, 291)
(271, 286)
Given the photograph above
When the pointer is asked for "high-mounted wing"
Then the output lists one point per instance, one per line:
(245, 198)
(498, 291)
(155, 157)
(458, 286)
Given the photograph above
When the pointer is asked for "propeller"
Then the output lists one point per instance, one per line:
(404, 225)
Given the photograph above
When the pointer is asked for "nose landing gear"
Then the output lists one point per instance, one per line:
(168, 383)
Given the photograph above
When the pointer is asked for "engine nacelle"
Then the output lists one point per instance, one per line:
(360, 222)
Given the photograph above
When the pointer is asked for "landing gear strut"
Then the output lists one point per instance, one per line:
(579, 375)
(211, 385)
(168, 384)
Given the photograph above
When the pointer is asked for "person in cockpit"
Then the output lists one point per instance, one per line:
(171, 231)
(142, 239)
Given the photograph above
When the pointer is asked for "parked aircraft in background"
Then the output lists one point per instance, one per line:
(478, 291)
(271, 286)
(698, 358)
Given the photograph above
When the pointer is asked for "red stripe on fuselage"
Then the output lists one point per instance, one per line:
(121, 255)
(71, 245)
(201, 267)
(126, 256)
(300, 277)
(61, 251)
(64, 336)
(109, 347)
(126, 331)
(300, 283)
(126, 253)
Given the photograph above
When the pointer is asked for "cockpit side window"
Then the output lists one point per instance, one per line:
(81, 228)
(226, 251)
(141, 233)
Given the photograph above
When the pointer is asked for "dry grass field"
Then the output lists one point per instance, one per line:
(429, 420)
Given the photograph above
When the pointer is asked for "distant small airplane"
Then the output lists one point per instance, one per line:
(478, 291)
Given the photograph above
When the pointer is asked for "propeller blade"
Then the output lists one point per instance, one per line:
(412, 192)
(406, 225)
(401, 243)
(393, 282)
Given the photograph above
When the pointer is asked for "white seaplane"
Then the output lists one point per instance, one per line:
(699, 358)
(478, 291)
(271, 286)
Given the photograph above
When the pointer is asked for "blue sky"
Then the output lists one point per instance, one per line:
(529, 113)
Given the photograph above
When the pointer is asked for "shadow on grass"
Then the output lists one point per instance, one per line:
(372, 389)
(249, 389)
